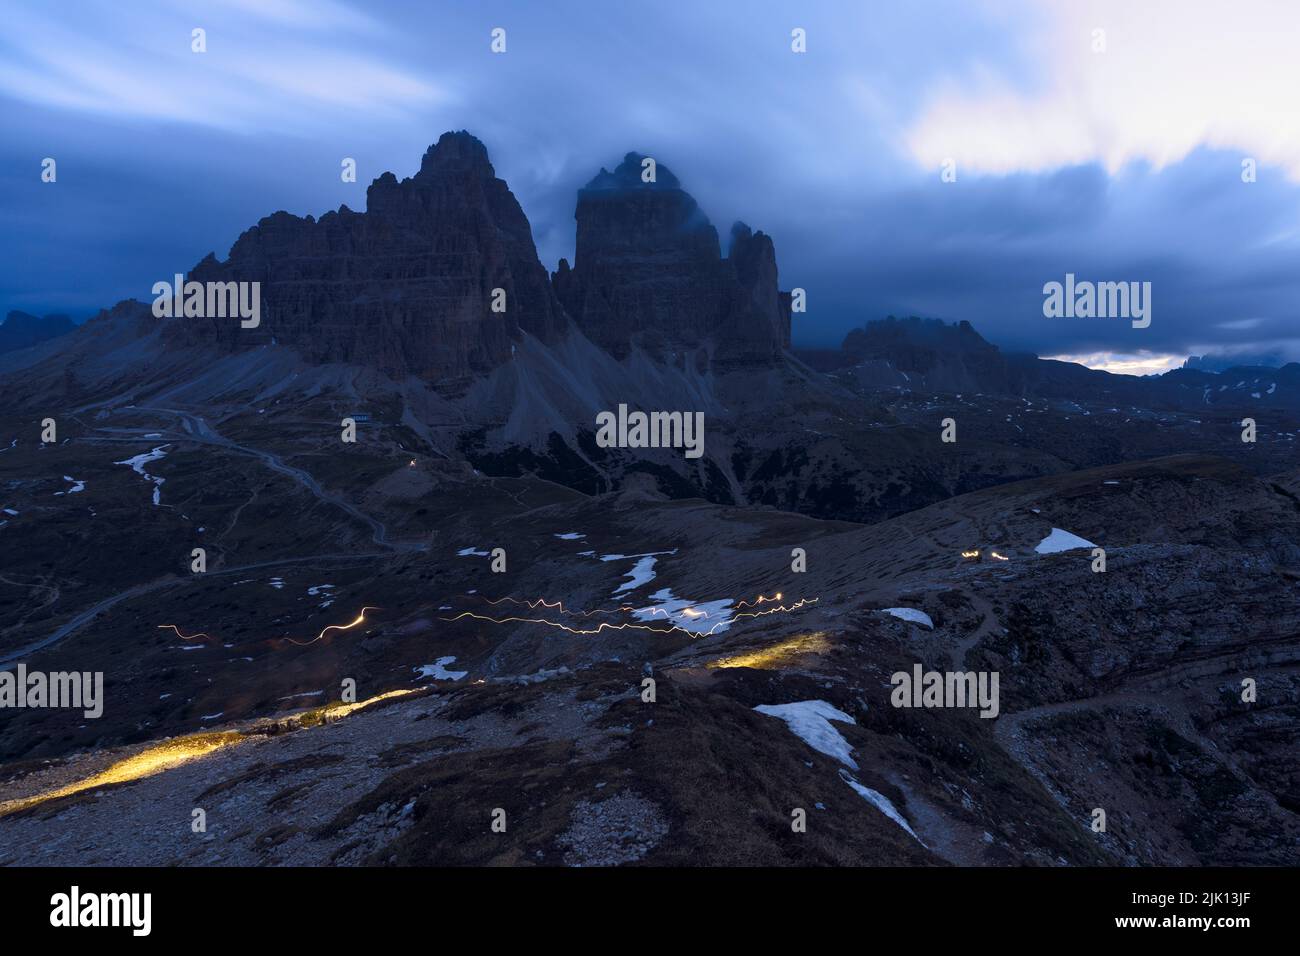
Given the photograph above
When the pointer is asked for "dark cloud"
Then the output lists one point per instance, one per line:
(807, 148)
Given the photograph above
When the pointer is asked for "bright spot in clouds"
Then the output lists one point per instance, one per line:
(1174, 75)
(1140, 363)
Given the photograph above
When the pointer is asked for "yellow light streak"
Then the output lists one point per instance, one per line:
(152, 760)
(168, 754)
(356, 621)
(775, 655)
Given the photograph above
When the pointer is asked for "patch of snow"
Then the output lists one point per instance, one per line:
(76, 486)
(643, 572)
(1060, 540)
(910, 614)
(711, 617)
(137, 465)
(438, 670)
(571, 536)
(881, 803)
(809, 720)
(465, 552)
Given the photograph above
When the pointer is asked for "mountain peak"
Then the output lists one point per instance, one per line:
(628, 175)
(648, 272)
(455, 151)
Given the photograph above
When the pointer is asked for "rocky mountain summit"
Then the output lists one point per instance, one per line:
(649, 272)
(404, 287)
(407, 287)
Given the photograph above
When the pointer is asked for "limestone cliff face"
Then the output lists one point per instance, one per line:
(648, 271)
(405, 287)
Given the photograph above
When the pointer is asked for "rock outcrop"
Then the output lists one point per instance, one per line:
(945, 357)
(22, 330)
(405, 287)
(648, 273)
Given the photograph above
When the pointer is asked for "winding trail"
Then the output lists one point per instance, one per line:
(198, 430)
(89, 614)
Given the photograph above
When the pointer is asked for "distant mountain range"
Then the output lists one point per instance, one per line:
(406, 289)
(929, 355)
(22, 330)
(431, 312)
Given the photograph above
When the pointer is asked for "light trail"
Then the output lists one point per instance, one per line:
(151, 760)
(168, 754)
(776, 655)
(559, 605)
(356, 621)
(970, 554)
(622, 609)
(192, 637)
(628, 626)
(994, 554)
(779, 609)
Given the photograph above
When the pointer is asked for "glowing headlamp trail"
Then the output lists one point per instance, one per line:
(183, 637)
(167, 754)
(628, 626)
(356, 621)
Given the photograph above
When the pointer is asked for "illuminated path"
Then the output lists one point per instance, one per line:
(166, 754)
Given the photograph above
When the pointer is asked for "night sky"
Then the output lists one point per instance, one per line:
(1118, 165)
